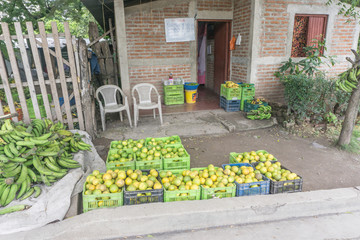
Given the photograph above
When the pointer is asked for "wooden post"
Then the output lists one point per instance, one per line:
(116, 78)
(86, 95)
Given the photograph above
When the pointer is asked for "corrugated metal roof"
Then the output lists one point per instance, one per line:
(102, 10)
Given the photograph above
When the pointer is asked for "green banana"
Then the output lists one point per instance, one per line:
(45, 180)
(15, 208)
(51, 166)
(13, 149)
(37, 191)
(47, 154)
(22, 190)
(45, 136)
(7, 152)
(5, 132)
(23, 175)
(65, 164)
(25, 143)
(32, 175)
(4, 195)
(39, 141)
(27, 194)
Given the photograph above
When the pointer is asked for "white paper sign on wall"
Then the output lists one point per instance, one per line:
(179, 29)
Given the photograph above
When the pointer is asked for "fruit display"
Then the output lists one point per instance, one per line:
(231, 84)
(34, 154)
(122, 159)
(162, 142)
(348, 80)
(251, 157)
(248, 181)
(103, 189)
(103, 183)
(180, 185)
(134, 145)
(142, 187)
(263, 112)
(282, 179)
(216, 182)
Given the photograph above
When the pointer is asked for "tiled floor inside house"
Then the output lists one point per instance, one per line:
(207, 100)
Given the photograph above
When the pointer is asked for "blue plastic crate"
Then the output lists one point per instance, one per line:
(230, 105)
(245, 189)
(61, 101)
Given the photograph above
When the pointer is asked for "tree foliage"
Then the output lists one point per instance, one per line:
(71, 11)
(347, 7)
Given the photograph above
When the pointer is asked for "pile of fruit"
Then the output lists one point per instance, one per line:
(103, 183)
(214, 177)
(34, 154)
(231, 84)
(245, 174)
(138, 180)
(263, 112)
(275, 172)
(251, 157)
(186, 180)
(257, 101)
(121, 155)
(163, 141)
(128, 144)
(174, 152)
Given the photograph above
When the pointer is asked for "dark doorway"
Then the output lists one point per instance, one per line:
(217, 54)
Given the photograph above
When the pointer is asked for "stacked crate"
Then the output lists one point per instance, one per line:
(247, 93)
(173, 94)
(230, 98)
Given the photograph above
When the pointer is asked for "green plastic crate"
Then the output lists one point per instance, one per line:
(147, 165)
(176, 139)
(176, 171)
(182, 195)
(174, 99)
(173, 90)
(230, 93)
(120, 165)
(220, 192)
(177, 162)
(247, 91)
(91, 202)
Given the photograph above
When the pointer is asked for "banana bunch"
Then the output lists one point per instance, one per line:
(348, 80)
(34, 154)
(231, 84)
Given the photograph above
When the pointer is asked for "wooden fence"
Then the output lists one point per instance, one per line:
(42, 71)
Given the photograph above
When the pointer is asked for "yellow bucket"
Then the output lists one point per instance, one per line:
(190, 96)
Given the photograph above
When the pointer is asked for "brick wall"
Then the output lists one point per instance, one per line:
(241, 55)
(145, 32)
(214, 5)
(146, 41)
(210, 65)
(275, 21)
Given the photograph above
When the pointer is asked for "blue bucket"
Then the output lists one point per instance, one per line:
(190, 87)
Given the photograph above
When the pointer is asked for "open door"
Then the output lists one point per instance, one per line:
(222, 54)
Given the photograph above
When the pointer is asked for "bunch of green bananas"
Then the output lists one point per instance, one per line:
(34, 154)
(263, 112)
(348, 80)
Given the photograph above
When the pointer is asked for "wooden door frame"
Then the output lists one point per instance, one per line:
(227, 54)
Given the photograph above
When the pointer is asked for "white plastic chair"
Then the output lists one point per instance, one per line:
(108, 92)
(143, 91)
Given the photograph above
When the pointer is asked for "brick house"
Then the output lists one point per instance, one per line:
(271, 32)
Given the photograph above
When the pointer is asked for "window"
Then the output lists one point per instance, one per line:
(306, 29)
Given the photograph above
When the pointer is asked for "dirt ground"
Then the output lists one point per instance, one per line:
(321, 165)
